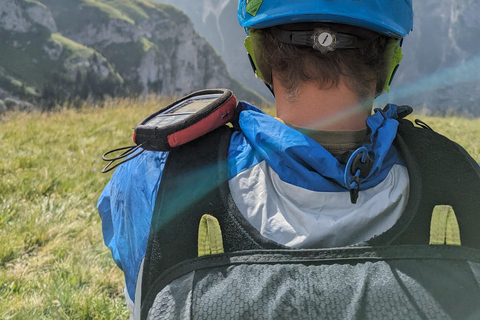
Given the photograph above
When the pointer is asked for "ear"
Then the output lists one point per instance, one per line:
(253, 44)
(394, 50)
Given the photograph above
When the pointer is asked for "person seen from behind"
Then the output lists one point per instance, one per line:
(329, 210)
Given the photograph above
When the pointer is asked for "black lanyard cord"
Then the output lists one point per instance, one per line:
(130, 150)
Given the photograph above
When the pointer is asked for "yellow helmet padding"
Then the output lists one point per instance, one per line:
(394, 50)
(253, 44)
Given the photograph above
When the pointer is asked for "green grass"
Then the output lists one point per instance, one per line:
(72, 48)
(110, 11)
(53, 263)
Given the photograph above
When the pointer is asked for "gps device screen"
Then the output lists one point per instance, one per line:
(182, 110)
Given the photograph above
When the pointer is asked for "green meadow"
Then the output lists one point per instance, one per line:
(53, 263)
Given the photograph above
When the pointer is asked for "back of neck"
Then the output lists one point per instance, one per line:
(330, 108)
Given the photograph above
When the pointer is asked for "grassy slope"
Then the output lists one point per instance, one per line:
(23, 57)
(53, 264)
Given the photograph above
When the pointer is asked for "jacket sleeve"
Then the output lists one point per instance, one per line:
(125, 207)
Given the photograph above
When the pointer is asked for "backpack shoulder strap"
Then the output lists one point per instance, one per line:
(441, 173)
(194, 184)
(189, 188)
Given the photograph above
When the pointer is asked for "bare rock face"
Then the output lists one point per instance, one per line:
(216, 20)
(12, 17)
(111, 32)
(53, 49)
(39, 13)
(21, 16)
(193, 63)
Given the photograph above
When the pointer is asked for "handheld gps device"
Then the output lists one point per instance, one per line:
(178, 123)
(185, 120)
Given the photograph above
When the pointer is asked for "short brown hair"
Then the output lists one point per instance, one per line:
(362, 68)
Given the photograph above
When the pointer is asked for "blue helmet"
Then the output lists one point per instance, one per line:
(393, 18)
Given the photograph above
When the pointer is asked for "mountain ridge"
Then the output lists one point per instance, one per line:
(55, 51)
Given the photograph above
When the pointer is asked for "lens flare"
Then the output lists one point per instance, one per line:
(464, 72)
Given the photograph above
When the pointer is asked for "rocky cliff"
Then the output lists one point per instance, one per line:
(217, 21)
(57, 50)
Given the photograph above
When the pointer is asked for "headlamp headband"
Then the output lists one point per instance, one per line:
(322, 39)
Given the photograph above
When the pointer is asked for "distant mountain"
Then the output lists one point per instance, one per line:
(440, 71)
(52, 51)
